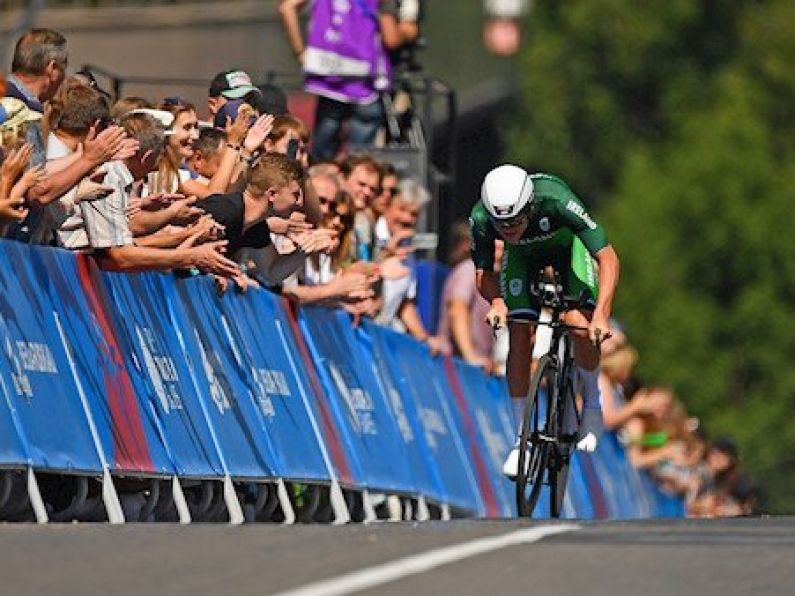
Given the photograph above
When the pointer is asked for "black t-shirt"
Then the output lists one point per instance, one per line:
(228, 210)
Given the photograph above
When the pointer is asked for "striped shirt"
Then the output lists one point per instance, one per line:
(104, 221)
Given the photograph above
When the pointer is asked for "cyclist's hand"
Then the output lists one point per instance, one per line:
(497, 316)
(598, 329)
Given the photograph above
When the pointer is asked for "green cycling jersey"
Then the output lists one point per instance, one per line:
(560, 232)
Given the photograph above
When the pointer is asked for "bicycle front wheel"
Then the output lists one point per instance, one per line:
(534, 439)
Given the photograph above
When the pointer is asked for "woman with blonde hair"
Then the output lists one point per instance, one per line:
(174, 176)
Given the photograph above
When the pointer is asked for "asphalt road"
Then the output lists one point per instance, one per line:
(752, 556)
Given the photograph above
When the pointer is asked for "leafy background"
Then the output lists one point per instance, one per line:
(676, 121)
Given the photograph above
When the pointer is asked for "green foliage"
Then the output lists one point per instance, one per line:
(681, 115)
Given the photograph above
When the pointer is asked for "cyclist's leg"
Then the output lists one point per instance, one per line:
(518, 271)
(515, 276)
(582, 277)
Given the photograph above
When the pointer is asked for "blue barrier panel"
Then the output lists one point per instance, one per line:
(235, 407)
(430, 283)
(36, 371)
(261, 337)
(160, 373)
(360, 408)
(663, 504)
(12, 448)
(626, 481)
(577, 502)
(418, 454)
(128, 436)
(425, 386)
(489, 406)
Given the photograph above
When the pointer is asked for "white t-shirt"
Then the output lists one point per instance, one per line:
(394, 291)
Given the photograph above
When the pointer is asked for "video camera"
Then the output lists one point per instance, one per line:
(405, 58)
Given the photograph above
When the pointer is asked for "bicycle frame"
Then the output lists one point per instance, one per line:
(550, 447)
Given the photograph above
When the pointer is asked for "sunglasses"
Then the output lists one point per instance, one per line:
(509, 224)
(327, 201)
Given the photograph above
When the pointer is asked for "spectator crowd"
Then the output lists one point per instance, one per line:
(242, 190)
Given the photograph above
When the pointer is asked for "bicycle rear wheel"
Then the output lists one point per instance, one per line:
(534, 443)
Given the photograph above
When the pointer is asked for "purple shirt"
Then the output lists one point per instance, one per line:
(460, 285)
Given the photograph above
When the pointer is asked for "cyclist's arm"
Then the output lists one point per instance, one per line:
(593, 236)
(482, 253)
(609, 267)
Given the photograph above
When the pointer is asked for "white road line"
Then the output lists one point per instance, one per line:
(388, 572)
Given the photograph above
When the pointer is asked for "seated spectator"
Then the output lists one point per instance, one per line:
(462, 320)
(105, 231)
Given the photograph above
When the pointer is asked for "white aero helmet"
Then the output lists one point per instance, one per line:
(506, 191)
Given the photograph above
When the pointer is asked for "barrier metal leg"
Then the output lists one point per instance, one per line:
(111, 499)
(369, 511)
(338, 504)
(423, 513)
(408, 510)
(446, 512)
(284, 501)
(236, 516)
(36, 502)
(183, 511)
(394, 508)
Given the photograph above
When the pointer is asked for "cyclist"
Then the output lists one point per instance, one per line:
(543, 223)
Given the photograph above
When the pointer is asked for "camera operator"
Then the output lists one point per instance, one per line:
(346, 62)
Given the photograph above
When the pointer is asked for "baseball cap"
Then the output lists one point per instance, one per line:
(14, 113)
(232, 84)
(230, 110)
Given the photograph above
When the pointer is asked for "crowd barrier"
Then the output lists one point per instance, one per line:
(152, 377)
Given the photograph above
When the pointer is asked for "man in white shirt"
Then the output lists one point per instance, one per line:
(393, 237)
(105, 230)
